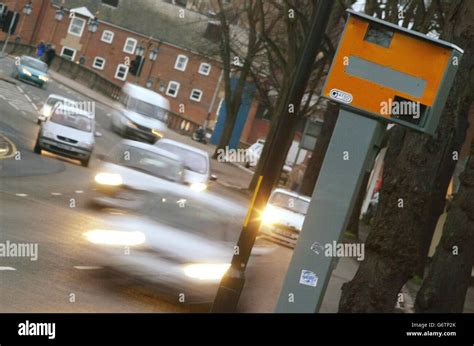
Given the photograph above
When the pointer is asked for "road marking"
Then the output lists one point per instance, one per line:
(21, 195)
(79, 191)
(7, 268)
(28, 98)
(56, 193)
(19, 88)
(14, 106)
(109, 115)
(87, 267)
(3, 97)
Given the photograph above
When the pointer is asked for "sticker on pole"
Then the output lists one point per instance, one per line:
(340, 95)
(308, 278)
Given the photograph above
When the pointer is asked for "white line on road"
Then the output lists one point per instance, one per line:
(56, 193)
(7, 268)
(19, 88)
(14, 106)
(28, 98)
(87, 267)
(79, 191)
(21, 194)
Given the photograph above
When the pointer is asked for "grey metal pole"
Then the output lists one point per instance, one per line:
(350, 154)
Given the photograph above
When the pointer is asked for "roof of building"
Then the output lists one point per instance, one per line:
(157, 18)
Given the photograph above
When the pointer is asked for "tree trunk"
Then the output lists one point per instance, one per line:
(416, 175)
(316, 161)
(449, 276)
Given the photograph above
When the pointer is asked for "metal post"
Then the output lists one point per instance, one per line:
(350, 153)
(232, 283)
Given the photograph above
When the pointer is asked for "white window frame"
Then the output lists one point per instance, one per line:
(135, 42)
(176, 64)
(107, 32)
(65, 47)
(208, 71)
(196, 99)
(82, 28)
(118, 69)
(95, 60)
(177, 86)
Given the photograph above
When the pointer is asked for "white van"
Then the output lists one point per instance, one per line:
(141, 115)
(69, 132)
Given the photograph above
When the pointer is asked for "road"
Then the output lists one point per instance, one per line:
(43, 200)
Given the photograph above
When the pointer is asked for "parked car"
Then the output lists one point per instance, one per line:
(31, 70)
(69, 132)
(50, 104)
(142, 114)
(283, 217)
(253, 153)
(196, 163)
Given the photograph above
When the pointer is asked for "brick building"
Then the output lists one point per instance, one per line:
(186, 70)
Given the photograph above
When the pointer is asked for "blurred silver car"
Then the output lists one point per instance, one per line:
(132, 171)
(183, 266)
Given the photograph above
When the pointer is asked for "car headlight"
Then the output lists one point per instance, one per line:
(198, 187)
(43, 78)
(157, 133)
(119, 238)
(206, 271)
(25, 71)
(47, 134)
(131, 124)
(47, 110)
(269, 215)
(112, 179)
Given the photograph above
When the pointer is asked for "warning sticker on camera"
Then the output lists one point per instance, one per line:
(308, 278)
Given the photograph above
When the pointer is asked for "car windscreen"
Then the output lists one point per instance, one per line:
(34, 64)
(148, 109)
(193, 161)
(75, 121)
(146, 161)
(289, 202)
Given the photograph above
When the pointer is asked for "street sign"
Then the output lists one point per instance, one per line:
(310, 135)
(391, 73)
(376, 64)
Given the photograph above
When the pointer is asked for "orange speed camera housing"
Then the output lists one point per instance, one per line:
(385, 71)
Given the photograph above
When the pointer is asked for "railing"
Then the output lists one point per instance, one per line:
(72, 70)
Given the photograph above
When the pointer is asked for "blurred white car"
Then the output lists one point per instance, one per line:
(196, 163)
(185, 267)
(283, 217)
(134, 169)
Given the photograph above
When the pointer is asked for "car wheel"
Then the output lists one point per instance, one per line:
(37, 148)
(85, 163)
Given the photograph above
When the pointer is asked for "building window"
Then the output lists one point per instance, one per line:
(76, 27)
(181, 62)
(205, 69)
(68, 53)
(173, 88)
(196, 95)
(107, 36)
(99, 63)
(130, 45)
(112, 3)
(122, 72)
